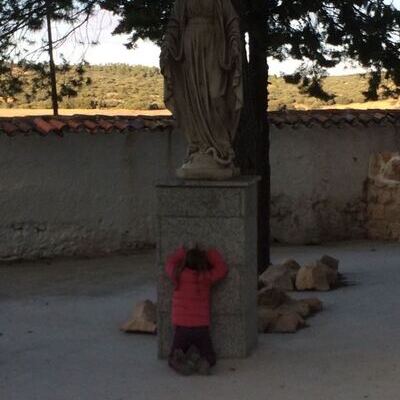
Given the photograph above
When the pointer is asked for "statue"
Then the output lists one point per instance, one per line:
(201, 61)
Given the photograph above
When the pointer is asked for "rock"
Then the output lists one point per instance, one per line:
(330, 262)
(304, 278)
(293, 265)
(289, 323)
(267, 318)
(295, 306)
(391, 170)
(278, 277)
(325, 270)
(271, 297)
(314, 304)
(278, 312)
(143, 320)
(317, 276)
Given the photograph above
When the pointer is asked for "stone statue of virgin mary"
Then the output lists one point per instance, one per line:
(201, 61)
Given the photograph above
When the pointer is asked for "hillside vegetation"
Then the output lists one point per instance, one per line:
(120, 86)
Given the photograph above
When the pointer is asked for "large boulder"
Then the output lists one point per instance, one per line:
(317, 276)
(144, 319)
(278, 312)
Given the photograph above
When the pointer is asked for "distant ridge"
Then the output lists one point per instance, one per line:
(122, 86)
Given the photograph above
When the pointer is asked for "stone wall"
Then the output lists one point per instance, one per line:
(319, 178)
(80, 194)
(88, 194)
(383, 222)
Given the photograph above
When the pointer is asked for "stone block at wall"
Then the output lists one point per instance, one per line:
(383, 222)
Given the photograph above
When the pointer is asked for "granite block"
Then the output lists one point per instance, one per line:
(222, 215)
(228, 234)
(242, 182)
(165, 288)
(251, 239)
(200, 202)
(236, 293)
(234, 336)
(250, 201)
(165, 333)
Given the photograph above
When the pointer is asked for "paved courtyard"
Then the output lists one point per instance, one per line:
(59, 337)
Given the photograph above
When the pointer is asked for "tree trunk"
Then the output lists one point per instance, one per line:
(53, 78)
(252, 145)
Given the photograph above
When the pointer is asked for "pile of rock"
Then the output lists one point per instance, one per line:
(144, 319)
(278, 312)
(320, 275)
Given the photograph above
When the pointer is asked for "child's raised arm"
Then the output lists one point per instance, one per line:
(174, 260)
(219, 268)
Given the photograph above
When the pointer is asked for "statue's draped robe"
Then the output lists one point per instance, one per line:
(202, 66)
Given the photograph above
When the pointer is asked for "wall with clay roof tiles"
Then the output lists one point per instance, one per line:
(118, 124)
(85, 185)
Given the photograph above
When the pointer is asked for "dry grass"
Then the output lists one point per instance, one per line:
(21, 112)
(380, 104)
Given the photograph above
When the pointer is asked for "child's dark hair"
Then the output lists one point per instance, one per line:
(195, 259)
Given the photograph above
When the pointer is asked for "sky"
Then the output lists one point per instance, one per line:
(112, 50)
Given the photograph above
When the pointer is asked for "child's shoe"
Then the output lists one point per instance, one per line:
(179, 363)
(203, 367)
(193, 357)
(197, 363)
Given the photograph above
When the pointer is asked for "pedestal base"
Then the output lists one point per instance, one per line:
(224, 215)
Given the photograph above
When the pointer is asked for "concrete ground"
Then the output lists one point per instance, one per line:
(59, 337)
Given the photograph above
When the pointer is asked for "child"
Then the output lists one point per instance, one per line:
(193, 272)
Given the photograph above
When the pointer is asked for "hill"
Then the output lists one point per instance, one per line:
(120, 86)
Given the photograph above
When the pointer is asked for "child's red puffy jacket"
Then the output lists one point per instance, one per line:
(191, 299)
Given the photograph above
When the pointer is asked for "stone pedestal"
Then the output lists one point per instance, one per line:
(221, 214)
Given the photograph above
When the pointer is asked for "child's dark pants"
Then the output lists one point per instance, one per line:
(197, 336)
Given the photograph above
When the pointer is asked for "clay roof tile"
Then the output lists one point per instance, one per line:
(321, 117)
(9, 128)
(57, 124)
(121, 125)
(379, 116)
(106, 125)
(23, 126)
(91, 125)
(42, 126)
(349, 117)
(136, 123)
(306, 118)
(364, 118)
(74, 124)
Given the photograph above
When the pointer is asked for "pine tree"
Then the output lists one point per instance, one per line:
(20, 18)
